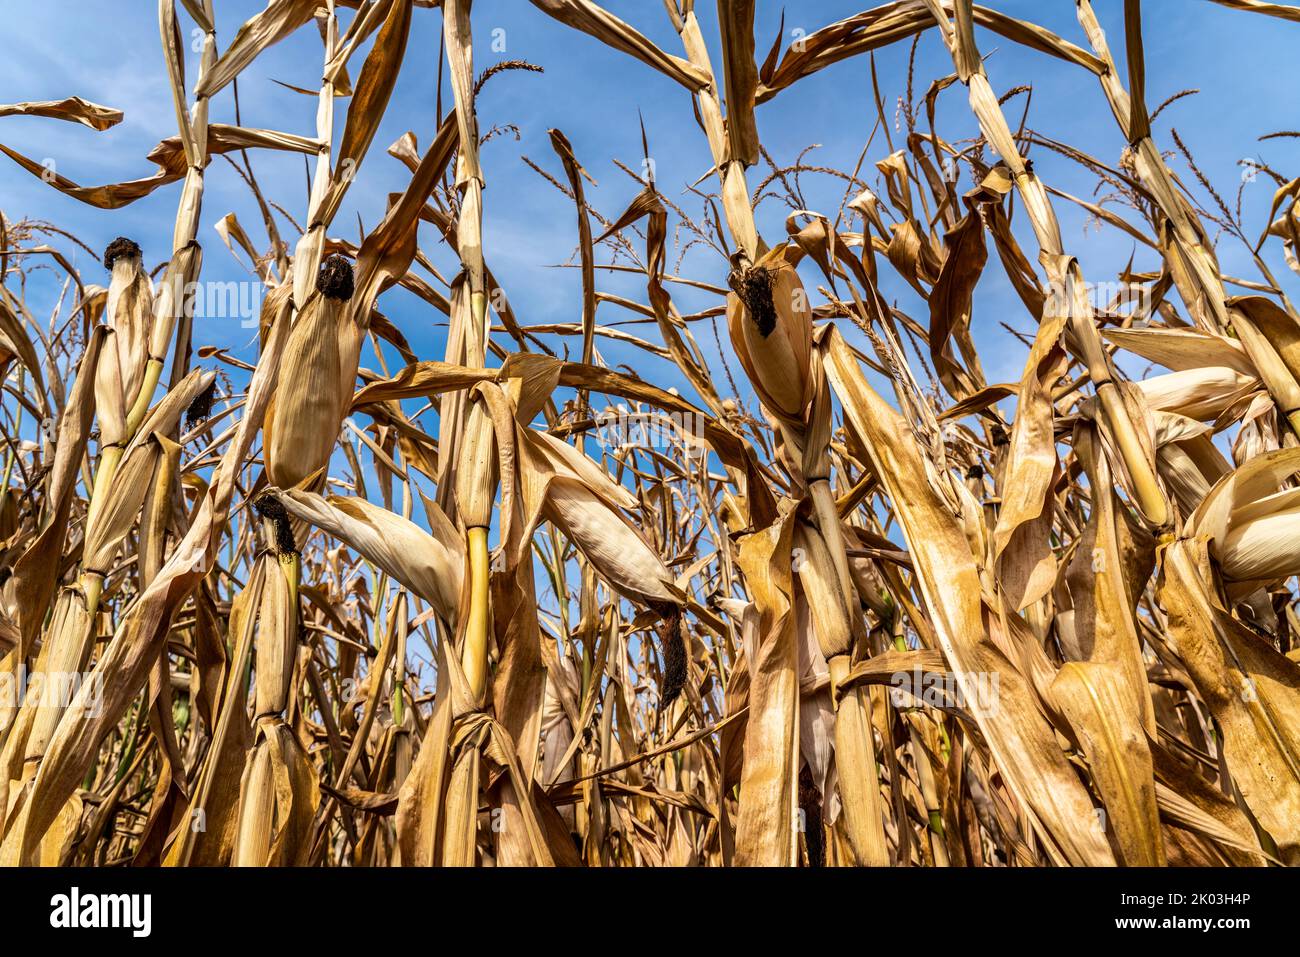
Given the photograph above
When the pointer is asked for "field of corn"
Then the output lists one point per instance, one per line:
(838, 600)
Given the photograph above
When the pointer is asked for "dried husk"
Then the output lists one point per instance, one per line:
(606, 539)
(313, 395)
(770, 321)
(128, 315)
(429, 565)
(475, 475)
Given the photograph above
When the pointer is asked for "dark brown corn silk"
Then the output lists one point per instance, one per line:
(118, 248)
(753, 286)
(271, 508)
(335, 280)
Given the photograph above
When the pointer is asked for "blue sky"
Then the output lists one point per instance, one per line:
(108, 52)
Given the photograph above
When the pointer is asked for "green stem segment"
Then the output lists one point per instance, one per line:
(135, 418)
(474, 653)
(92, 583)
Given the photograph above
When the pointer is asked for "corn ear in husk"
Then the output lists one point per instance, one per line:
(430, 565)
(128, 314)
(475, 476)
(313, 394)
(606, 539)
(770, 321)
